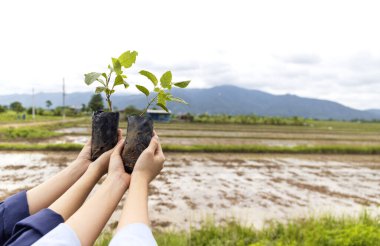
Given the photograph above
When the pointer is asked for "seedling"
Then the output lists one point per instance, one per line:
(162, 90)
(140, 129)
(105, 124)
(125, 60)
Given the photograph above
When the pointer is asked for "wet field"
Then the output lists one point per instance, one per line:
(252, 188)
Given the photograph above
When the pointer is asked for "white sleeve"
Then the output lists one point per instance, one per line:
(134, 235)
(62, 235)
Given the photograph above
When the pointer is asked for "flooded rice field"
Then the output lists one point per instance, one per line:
(251, 187)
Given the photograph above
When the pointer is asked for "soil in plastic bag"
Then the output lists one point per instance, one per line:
(104, 132)
(139, 134)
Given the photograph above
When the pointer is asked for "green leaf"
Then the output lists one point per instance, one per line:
(150, 76)
(124, 76)
(177, 99)
(104, 75)
(182, 84)
(143, 89)
(116, 66)
(118, 80)
(101, 81)
(161, 97)
(166, 80)
(108, 91)
(99, 89)
(163, 107)
(126, 85)
(156, 89)
(128, 58)
(89, 78)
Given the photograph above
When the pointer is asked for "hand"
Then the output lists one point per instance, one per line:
(100, 165)
(150, 162)
(116, 166)
(84, 156)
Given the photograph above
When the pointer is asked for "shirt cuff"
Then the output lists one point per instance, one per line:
(62, 235)
(43, 221)
(134, 234)
(16, 208)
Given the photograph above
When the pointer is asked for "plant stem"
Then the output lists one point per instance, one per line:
(108, 95)
(146, 109)
(109, 103)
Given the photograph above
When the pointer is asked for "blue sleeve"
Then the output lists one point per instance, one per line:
(12, 210)
(32, 228)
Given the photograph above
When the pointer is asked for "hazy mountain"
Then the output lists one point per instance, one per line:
(222, 99)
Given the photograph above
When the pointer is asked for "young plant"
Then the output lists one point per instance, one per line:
(125, 60)
(161, 91)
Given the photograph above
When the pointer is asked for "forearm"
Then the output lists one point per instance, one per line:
(71, 200)
(91, 218)
(136, 207)
(43, 195)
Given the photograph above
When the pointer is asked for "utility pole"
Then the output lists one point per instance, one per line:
(63, 99)
(33, 107)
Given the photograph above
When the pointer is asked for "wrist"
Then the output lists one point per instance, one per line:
(140, 178)
(120, 180)
(77, 168)
(95, 171)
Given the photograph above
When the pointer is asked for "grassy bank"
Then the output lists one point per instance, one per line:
(45, 130)
(328, 149)
(326, 230)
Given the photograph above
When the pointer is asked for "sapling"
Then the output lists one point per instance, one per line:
(106, 124)
(140, 129)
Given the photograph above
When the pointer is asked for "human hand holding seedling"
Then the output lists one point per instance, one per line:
(101, 164)
(116, 168)
(150, 162)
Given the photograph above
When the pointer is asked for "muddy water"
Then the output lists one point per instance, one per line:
(252, 188)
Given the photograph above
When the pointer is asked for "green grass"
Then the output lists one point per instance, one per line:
(333, 149)
(26, 133)
(11, 117)
(31, 147)
(323, 231)
(36, 131)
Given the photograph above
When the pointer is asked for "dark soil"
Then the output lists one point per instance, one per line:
(139, 134)
(104, 132)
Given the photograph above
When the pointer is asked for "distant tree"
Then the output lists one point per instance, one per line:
(84, 108)
(96, 102)
(132, 110)
(3, 109)
(48, 104)
(17, 107)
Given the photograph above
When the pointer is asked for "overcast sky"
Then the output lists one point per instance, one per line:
(321, 49)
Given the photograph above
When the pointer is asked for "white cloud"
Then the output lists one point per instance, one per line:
(321, 49)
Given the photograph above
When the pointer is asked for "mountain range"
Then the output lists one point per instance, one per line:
(225, 99)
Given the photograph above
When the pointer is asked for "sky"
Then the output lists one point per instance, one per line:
(320, 49)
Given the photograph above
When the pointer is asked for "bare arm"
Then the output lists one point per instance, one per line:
(43, 195)
(69, 202)
(72, 199)
(147, 167)
(91, 218)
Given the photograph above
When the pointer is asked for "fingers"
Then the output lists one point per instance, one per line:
(105, 156)
(88, 143)
(118, 148)
(153, 145)
(119, 134)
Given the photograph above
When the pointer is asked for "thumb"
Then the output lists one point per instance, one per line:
(153, 145)
(118, 148)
